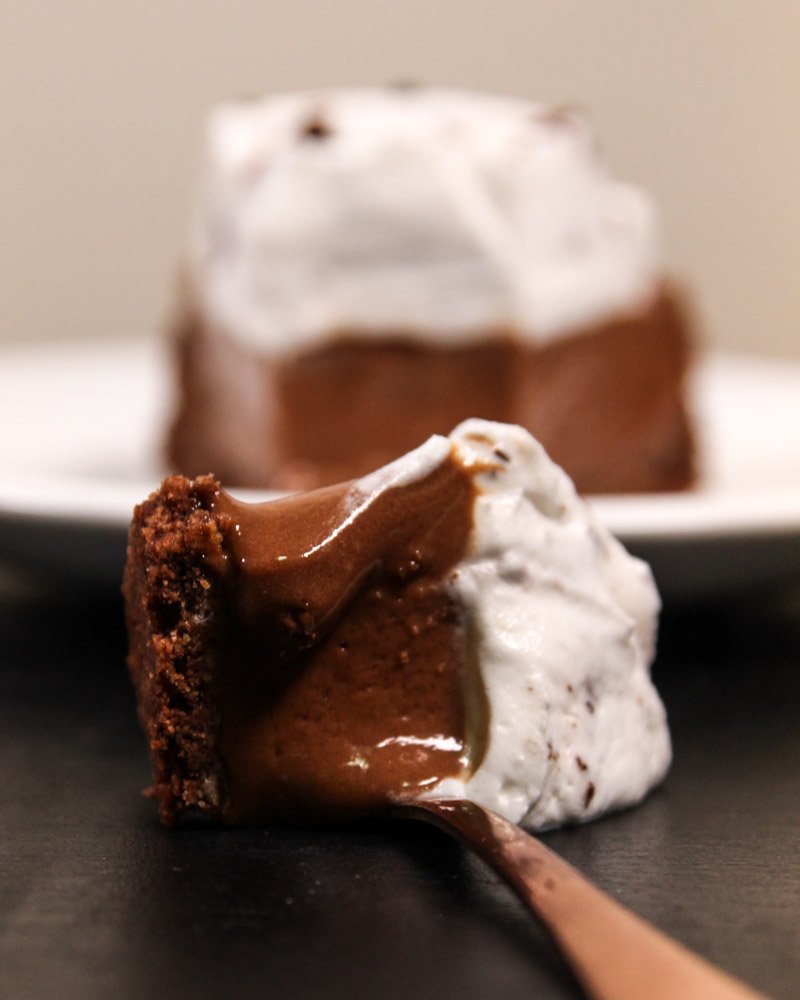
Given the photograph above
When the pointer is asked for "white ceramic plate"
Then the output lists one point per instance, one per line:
(82, 426)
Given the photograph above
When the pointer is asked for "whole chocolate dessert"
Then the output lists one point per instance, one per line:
(455, 624)
(368, 268)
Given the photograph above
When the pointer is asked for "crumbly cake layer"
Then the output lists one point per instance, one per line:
(174, 625)
(607, 403)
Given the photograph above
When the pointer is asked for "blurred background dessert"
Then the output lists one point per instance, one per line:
(371, 266)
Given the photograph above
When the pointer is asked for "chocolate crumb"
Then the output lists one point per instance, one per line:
(590, 707)
(316, 128)
(501, 455)
(589, 795)
(551, 753)
(581, 763)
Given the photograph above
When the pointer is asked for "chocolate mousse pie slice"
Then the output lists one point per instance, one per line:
(370, 267)
(457, 623)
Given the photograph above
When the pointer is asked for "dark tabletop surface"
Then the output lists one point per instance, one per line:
(96, 900)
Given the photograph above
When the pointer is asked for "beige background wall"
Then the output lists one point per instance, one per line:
(101, 105)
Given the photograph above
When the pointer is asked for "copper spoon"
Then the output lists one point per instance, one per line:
(614, 954)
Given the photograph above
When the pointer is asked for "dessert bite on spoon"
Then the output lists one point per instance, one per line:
(454, 636)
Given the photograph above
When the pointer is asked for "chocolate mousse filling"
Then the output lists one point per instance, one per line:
(303, 658)
(606, 402)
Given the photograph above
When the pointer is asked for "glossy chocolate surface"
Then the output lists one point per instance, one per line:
(342, 667)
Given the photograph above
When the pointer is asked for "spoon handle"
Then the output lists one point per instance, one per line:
(614, 954)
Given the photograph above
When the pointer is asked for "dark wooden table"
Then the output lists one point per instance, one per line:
(96, 901)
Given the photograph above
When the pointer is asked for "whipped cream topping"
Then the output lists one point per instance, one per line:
(563, 622)
(434, 214)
